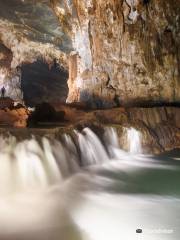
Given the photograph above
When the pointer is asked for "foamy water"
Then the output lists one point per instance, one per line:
(87, 190)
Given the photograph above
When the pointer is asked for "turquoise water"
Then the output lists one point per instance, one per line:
(127, 195)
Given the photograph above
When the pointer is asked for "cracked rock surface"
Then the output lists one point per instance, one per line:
(126, 51)
(117, 51)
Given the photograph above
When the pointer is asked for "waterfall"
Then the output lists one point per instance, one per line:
(112, 144)
(40, 199)
(33, 164)
(92, 150)
(111, 137)
(134, 141)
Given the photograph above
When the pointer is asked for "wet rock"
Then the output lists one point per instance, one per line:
(158, 126)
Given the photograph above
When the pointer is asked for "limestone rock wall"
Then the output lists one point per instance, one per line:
(119, 51)
(29, 30)
(128, 50)
(5, 58)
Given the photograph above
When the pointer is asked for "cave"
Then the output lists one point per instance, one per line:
(43, 83)
(90, 123)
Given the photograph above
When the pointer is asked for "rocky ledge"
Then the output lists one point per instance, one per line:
(159, 127)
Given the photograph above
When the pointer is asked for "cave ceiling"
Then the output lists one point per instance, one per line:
(36, 20)
(118, 51)
(32, 24)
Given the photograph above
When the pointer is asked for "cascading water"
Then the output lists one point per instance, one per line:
(76, 189)
(112, 144)
(92, 150)
(33, 164)
(134, 141)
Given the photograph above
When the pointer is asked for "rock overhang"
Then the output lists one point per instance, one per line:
(36, 21)
(125, 40)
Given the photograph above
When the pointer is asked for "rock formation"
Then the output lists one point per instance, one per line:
(125, 50)
(159, 126)
(117, 53)
(29, 30)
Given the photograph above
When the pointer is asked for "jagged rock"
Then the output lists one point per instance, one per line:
(126, 51)
(123, 51)
(14, 117)
(119, 52)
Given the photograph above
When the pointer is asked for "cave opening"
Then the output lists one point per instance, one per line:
(41, 83)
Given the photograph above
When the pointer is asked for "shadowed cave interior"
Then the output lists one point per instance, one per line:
(41, 83)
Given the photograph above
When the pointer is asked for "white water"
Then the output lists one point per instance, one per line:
(37, 165)
(46, 193)
(92, 150)
(134, 140)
